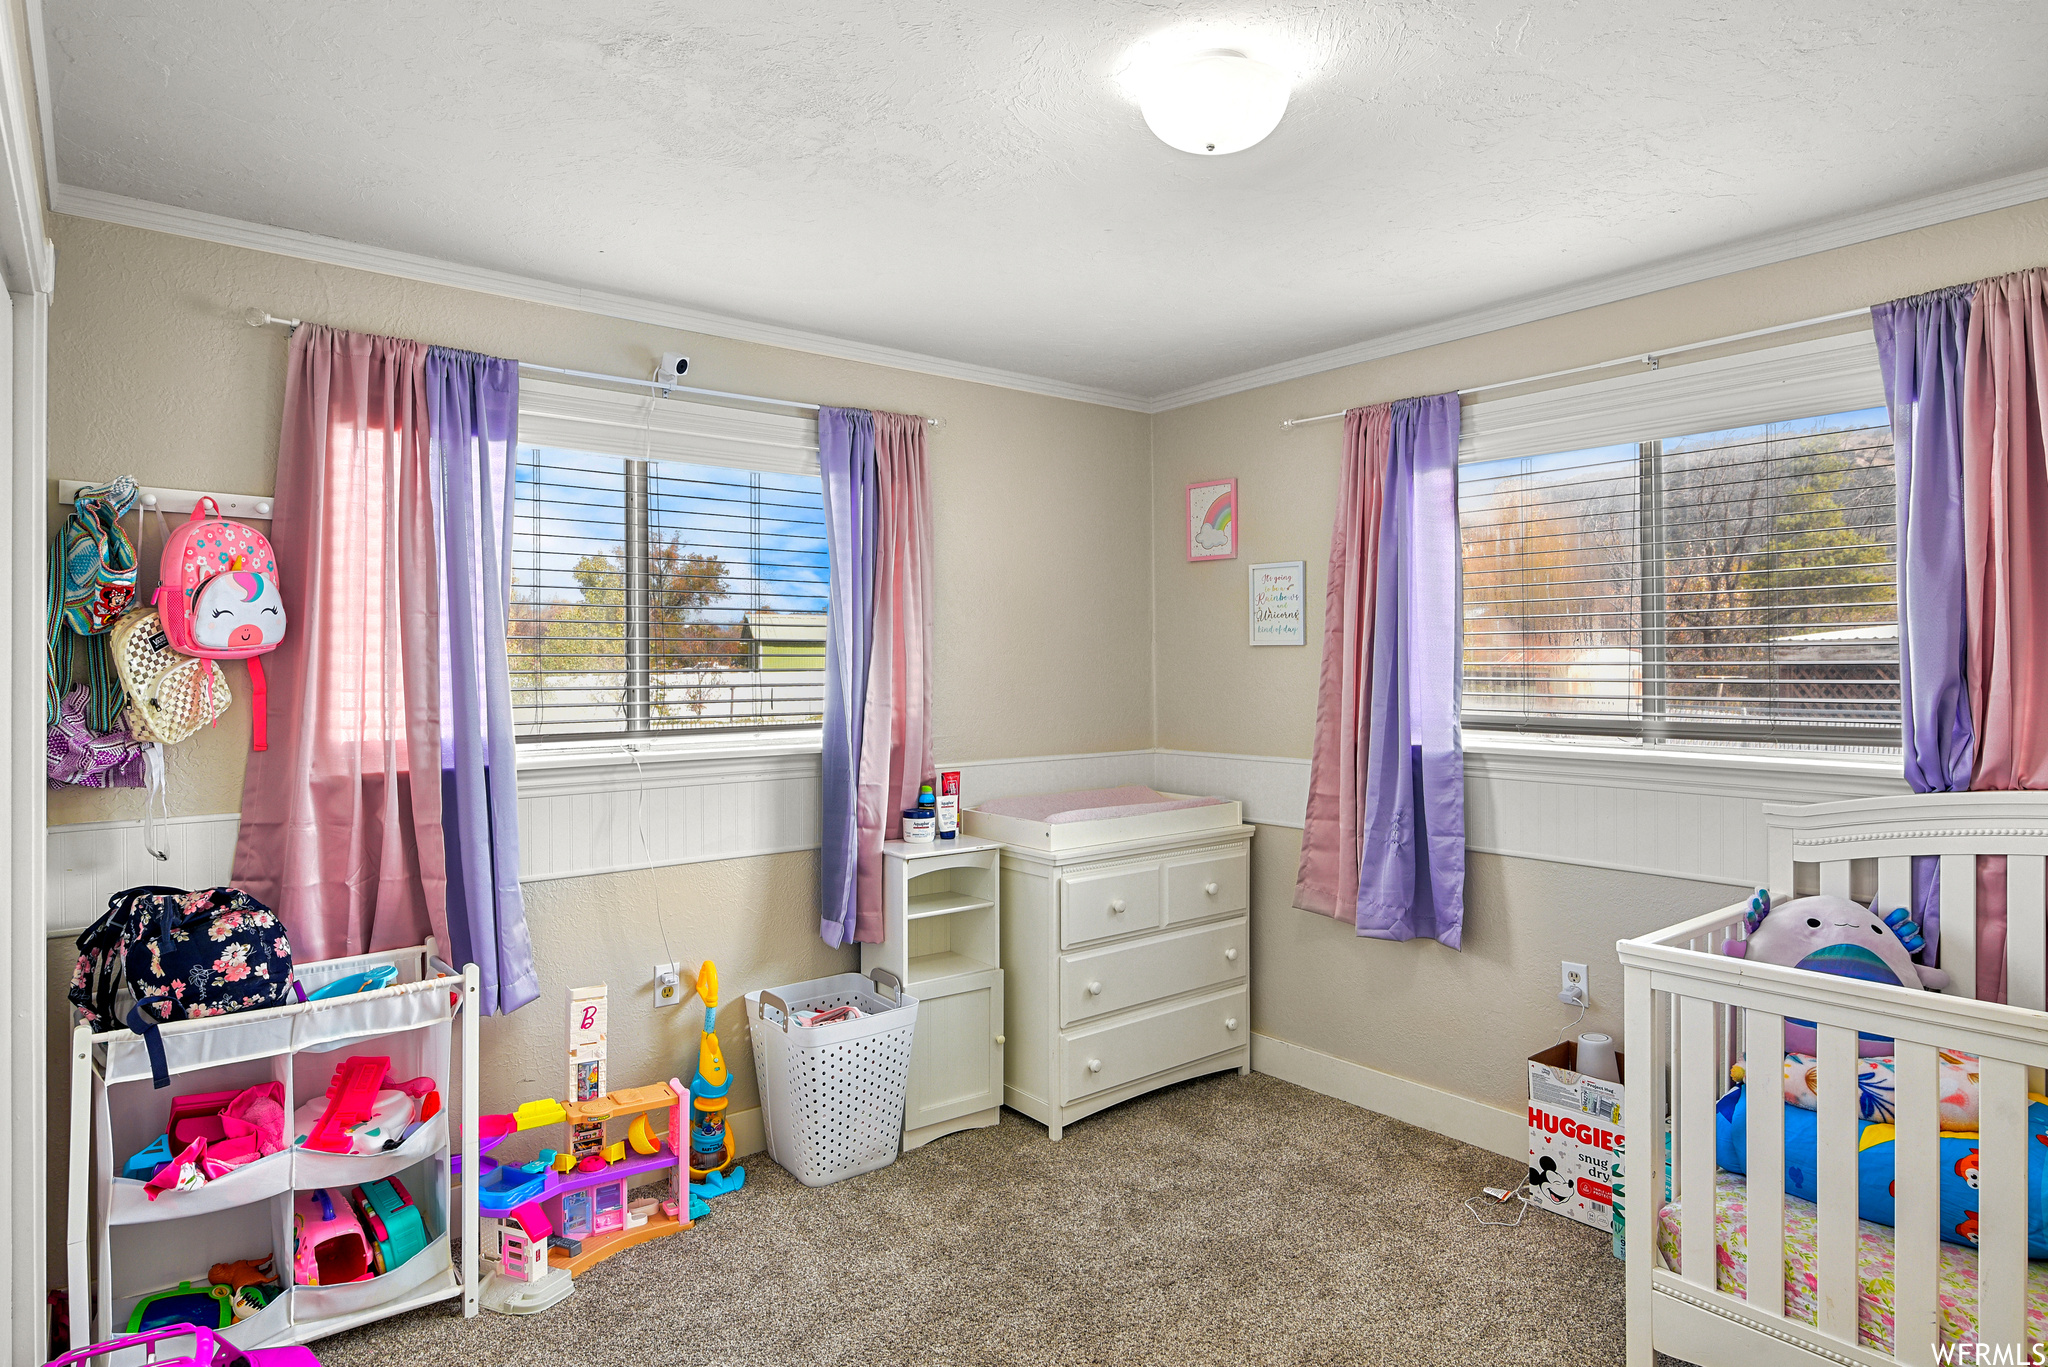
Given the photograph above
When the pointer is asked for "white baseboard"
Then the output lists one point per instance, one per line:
(748, 1133)
(1446, 1113)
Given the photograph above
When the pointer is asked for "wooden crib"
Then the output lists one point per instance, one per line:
(1692, 1012)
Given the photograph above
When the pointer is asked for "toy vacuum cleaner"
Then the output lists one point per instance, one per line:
(711, 1158)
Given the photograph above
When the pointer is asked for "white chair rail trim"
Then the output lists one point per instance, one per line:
(604, 807)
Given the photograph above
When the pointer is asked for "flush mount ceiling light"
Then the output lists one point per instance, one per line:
(1214, 104)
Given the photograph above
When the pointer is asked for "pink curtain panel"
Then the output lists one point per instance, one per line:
(2005, 548)
(1330, 848)
(896, 737)
(333, 834)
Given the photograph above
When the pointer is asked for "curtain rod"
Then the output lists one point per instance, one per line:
(1651, 359)
(257, 318)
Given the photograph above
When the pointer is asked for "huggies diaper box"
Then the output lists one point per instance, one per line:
(1574, 1126)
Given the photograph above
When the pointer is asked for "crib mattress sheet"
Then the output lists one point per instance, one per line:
(1955, 1281)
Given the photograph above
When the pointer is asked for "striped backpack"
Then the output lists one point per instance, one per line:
(218, 598)
(92, 582)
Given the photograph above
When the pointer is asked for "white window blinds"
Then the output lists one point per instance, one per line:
(1735, 584)
(660, 595)
(1692, 554)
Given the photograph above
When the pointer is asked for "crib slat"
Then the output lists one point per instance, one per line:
(1764, 1083)
(2002, 1202)
(1894, 883)
(1917, 1247)
(1668, 1080)
(2026, 935)
(1836, 1164)
(1696, 1130)
(1834, 877)
(1959, 922)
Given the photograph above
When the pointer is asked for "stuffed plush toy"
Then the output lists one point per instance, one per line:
(1836, 935)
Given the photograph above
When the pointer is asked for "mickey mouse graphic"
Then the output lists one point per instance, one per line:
(1553, 1185)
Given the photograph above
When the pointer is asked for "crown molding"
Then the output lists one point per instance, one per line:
(1767, 250)
(164, 218)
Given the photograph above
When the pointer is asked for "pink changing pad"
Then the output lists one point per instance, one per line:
(1091, 804)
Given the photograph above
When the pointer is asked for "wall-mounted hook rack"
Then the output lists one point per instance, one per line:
(154, 500)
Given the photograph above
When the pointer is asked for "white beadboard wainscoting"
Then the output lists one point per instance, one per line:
(580, 813)
(1685, 814)
(91, 861)
(580, 816)
(1679, 813)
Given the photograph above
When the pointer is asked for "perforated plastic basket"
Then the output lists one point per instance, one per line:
(832, 1095)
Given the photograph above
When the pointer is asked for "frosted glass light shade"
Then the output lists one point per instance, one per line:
(1215, 104)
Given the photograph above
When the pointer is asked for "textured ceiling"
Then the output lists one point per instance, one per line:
(974, 182)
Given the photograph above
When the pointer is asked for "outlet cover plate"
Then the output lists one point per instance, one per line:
(1574, 978)
(668, 993)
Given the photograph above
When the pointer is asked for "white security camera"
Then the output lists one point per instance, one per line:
(674, 365)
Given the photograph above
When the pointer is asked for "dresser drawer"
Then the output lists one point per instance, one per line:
(1119, 978)
(1109, 1056)
(1101, 906)
(1203, 889)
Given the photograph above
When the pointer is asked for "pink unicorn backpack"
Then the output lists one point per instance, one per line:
(218, 598)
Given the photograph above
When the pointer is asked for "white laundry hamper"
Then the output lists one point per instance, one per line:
(832, 1095)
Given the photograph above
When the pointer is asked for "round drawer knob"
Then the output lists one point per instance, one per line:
(1117, 905)
(1094, 989)
(1094, 1065)
(1230, 954)
(1230, 1023)
(1001, 1040)
(1209, 888)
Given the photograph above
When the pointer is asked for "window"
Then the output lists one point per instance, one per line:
(655, 596)
(1736, 585)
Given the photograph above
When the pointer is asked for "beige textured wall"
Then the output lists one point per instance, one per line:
(1463, 1023)
(153, 373)
(1044, 622)
(1458, 1022)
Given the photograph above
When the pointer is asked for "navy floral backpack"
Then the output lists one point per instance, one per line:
(184, 955)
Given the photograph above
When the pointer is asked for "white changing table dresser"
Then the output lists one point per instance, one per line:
(1126, 955)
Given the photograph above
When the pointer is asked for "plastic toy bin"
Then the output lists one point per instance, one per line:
(832, 1095)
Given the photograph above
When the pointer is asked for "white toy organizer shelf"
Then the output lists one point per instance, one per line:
(144, 1246)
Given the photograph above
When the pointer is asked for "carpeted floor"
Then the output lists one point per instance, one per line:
(1233, 1220)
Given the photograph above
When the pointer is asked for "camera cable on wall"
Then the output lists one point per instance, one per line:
(647, 853)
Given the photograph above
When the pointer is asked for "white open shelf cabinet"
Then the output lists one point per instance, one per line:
(943, 936)
(125, 1246)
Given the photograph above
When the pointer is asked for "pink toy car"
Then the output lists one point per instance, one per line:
(332, 1247)
(207, 1351)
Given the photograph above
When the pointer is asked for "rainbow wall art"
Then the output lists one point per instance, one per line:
(1212, 519)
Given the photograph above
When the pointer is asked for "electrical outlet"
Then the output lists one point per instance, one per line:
(1576, 986)
(668, 985)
